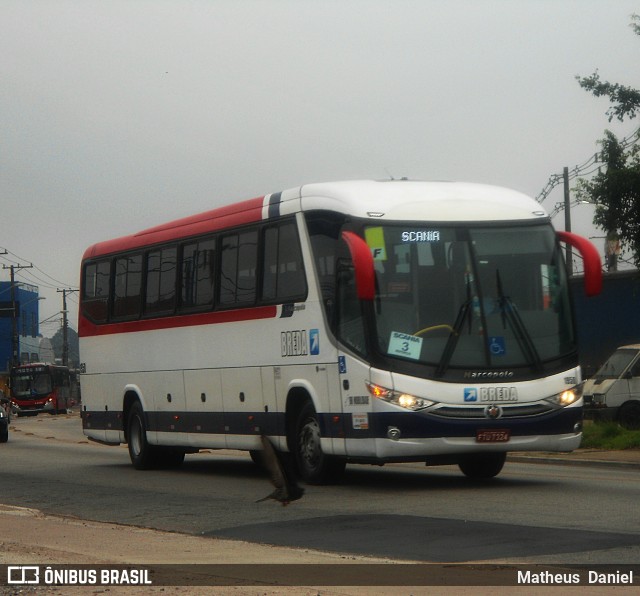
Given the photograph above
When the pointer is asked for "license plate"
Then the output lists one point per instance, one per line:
(494, 435)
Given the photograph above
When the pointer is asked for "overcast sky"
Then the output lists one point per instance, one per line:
(118, 115)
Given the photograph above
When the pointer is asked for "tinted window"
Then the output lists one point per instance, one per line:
(161, 280)
(198, 262)
(283, 273)
(95, 297)
(127, 286)
(238, 269)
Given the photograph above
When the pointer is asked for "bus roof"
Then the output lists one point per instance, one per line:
(399, 200)
(406, 200)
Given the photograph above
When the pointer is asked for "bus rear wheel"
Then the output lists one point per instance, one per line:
(143, 455)
(314, 466)
(482, 466)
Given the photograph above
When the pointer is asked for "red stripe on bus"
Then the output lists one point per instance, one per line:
(249, 211)
(88, 329)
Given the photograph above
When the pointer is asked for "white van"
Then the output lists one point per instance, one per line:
(614, 391)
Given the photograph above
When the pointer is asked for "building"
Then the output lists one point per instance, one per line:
(19, 328)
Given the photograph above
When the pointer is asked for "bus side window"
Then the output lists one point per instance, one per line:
(127, 287)
(283, 274)
(238, 269)
(95, 291)
(160, 291)
(198, 271)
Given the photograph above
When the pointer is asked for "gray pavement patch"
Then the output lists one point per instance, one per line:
(425, 539)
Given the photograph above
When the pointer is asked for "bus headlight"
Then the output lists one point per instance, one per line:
(404, 400)
(567, 397)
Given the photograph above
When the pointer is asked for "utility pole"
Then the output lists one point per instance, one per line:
(65, 326)
(15, 339)
(567, 220)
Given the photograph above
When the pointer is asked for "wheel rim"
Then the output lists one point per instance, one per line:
(135, 440)
(309, 444)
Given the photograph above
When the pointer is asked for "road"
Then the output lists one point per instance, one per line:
(531, 513)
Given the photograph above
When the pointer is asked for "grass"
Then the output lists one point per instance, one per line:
(608, 435)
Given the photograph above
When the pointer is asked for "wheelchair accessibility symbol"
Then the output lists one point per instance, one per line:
(497, 346)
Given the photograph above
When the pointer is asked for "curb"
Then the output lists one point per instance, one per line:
(566, 461)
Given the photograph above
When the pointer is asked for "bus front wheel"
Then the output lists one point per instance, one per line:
(312, 464)
(482, 466)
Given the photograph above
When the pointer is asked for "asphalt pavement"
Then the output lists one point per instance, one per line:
(45, 426)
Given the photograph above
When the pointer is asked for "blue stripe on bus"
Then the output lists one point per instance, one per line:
(411, 425)
(274, 205)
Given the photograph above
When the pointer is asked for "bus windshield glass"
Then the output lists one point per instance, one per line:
(470, 296)
(31, 383)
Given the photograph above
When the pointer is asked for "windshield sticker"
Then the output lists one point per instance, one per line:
(497, 346)
(407, 346)
(421, 236)
(375, 241)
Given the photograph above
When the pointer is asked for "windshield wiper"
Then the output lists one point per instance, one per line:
(452, 341)
(510, 315)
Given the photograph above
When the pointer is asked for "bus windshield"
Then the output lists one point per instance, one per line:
(33, 382)
(470, 296)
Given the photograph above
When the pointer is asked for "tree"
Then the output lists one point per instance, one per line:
(616, 194)
(74, 346)
(616, 190)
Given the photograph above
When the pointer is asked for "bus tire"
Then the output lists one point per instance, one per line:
(143, 455)
(169, 457)
(256, 457)
(482, 466)
(312, 465)
(629, 415)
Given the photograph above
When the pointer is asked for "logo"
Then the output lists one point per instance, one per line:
(493, 412)
(314, 342)
(488, 374)
(23, 574)
(501, 394)
(293, 343)
(470, 394)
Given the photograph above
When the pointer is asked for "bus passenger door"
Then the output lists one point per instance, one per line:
(354, 373)
(356, 406)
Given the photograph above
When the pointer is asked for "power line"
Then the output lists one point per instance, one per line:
(56, 282)
(584, 169)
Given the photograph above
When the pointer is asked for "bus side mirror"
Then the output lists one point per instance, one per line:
(362, 264)
(591, 258)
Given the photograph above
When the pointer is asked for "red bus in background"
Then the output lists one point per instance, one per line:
(39, 387)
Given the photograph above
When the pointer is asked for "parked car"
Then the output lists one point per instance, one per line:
(5, 417)
(613, 393)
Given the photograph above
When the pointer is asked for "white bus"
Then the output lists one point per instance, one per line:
(358, 321)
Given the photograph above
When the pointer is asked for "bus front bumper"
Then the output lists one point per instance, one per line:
(35, 407)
